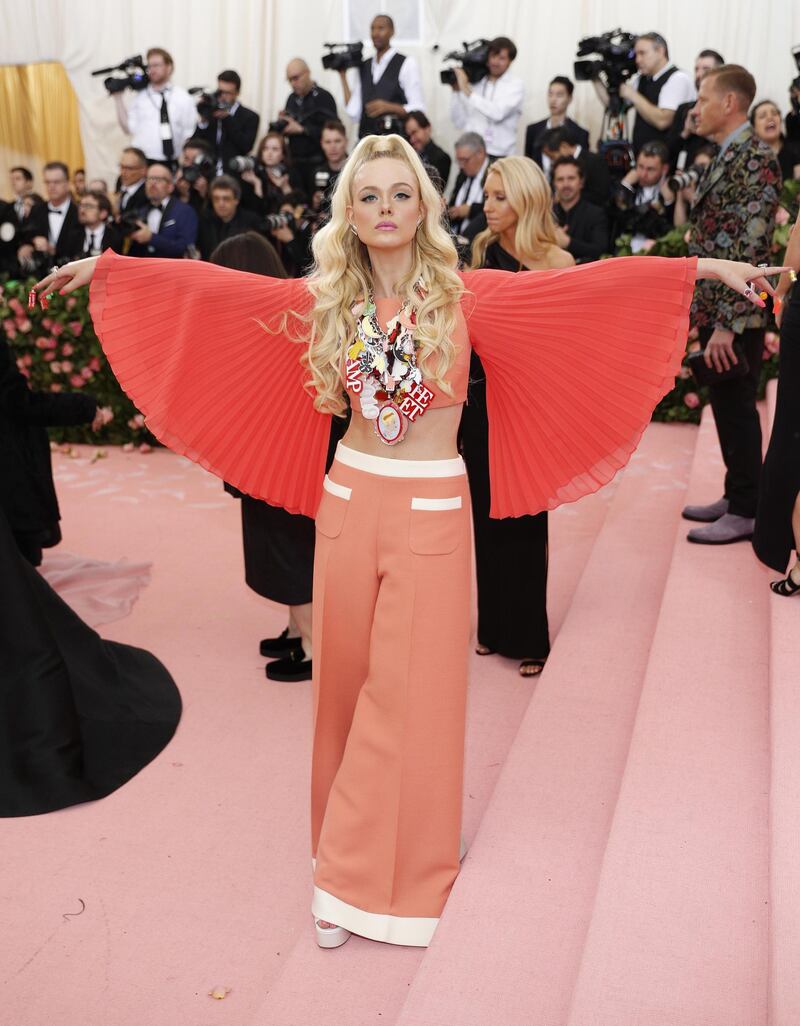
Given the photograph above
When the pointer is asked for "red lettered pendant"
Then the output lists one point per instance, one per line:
(390, 425)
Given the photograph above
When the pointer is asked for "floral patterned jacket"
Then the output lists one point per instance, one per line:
(733, 217)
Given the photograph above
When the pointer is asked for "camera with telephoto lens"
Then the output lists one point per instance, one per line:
(614, 62)
(279, 125)
(342, 56)
(472, 59)
(133, 75)
(202, 166)
(277, 170)
(288, 220)
(238, 165)
(691, 176)
(128, 223)
(322, 180)
(208, 102)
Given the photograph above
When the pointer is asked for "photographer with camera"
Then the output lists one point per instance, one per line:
(269, 176)
(334, 147)
(387, 87)
(226, 125)
(684, 183)
(466, 201)
(132, 173)
(307, 109)
(52, 232)
(682, 137)
(559, 97)
(656, 91)
(419, 133)
(557, 142)
(582, 227)
(733, 215)
(292, 229)
(167, 227)
(99, 232)
(225, 217)
(493, 106)
(643, 199)
(162, 116)
(196, 169)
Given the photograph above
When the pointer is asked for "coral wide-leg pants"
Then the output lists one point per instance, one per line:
(392, 580)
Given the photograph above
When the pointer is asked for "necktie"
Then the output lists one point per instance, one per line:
(90, 244)
(169, 149)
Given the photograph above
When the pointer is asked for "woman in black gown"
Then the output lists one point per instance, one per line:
(511, 555)
(777, 528)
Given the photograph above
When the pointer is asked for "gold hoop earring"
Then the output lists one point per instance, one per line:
(353, 229)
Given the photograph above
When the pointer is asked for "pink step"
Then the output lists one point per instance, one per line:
(509, 945)
(679, 928)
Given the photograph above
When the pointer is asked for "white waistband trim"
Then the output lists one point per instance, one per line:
(387, 467)
(414, 931)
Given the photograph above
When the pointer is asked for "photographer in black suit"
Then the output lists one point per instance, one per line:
(225, 217)
(231, 129)
(559, 97)
(682, 136)
(132, 174)
(419, 132)
(557, 142)
(307, 108)
(99, 232)
(53, 231)
(582, 227)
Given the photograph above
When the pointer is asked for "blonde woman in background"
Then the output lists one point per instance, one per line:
(510, 554)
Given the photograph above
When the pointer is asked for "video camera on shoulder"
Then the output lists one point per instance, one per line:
(614, 62)
(342, 56)
(128, 74)
(472, 58)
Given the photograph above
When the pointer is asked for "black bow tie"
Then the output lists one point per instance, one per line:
(52, 210)
(156, 206)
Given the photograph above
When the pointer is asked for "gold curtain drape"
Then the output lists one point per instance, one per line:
(38, 120)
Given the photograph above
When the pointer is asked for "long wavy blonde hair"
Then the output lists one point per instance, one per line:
(341, 276)
(531, 199)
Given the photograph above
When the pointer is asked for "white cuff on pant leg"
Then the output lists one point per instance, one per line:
(415, 931)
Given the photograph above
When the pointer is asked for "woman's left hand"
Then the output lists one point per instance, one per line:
(746, 279)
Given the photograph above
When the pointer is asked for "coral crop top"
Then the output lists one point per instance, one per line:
(458, 375)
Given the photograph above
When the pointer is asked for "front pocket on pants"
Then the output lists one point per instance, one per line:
(436, 525)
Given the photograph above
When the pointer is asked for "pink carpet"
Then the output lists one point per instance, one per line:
(618, 820)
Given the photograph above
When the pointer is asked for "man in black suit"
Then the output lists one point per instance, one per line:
(582, 227)
(225, 218)
(418, 133)
(53, 231)
(559, 97)
(466, 201)
(167, 227)
(556, 142)
(682, 136)
(232, 130)
(99, 232)
(308, 107)
(132, 172)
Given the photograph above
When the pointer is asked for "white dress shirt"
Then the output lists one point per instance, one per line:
(678, 89)
(410, 83)
(93, 239)
(154, 215)
(55, 222)
(493, 110)
(144, 120)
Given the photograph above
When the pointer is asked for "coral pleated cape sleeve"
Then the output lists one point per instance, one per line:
(576, 361)
(186, 340)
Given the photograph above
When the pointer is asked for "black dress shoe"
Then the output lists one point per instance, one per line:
(283, 645)
(293, 667)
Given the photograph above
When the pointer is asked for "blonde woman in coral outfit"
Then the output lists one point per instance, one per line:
(385, 316)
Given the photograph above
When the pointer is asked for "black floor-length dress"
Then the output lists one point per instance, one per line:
(773, 539)
(511, 554)
(79, 716)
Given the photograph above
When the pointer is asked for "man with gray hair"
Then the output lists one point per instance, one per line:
(466, 202)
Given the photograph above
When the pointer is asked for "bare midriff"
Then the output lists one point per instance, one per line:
(431, 436)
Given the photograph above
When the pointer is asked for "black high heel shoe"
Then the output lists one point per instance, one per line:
(785, 587)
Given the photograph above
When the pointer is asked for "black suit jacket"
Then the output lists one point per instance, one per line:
(111, 240)
(436, 156)
(587, 227)
(475, 209)
(238, 136)
(596, 178)
(212, 230)
(69, 238)
(135, 199)
(178, 231)
(676, 144)
(534, 133)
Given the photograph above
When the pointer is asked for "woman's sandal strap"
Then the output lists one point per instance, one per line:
(538, 663)
(786, 586)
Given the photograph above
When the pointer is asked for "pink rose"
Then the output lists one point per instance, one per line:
(55, 387)
(67, 349)
(16, 306)
(55, 367)
(66, 366)
(47, 323)
(25, 372)
(20, 363)
(692, 400)
(11, 333)
(24, 325)
(76, 327)
(51, 343)
(27, 359)
(49, 355)
(72, 302)
(76, 381)
(58, 329)
(94, 363)
(9, 325)
(41, 343)
(87, 373)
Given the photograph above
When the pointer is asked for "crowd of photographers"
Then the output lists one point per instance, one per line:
(198, 171)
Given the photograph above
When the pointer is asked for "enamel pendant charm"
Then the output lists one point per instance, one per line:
(390, 425)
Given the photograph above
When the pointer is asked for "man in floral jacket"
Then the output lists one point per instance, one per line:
(733, 217)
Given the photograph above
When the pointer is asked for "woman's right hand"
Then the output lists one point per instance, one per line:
(68, 278)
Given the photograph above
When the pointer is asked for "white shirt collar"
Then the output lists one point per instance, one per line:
(663, 71)
(386, 57)
(62, 207)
